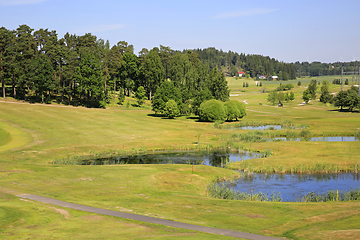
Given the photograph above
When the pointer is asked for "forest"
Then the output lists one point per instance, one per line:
(254, 66)
(38, 66)
(84, 70)
(324, 69)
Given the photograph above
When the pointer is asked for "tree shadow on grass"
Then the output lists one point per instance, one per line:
(344, 110)
(159, 115)
(192, 118)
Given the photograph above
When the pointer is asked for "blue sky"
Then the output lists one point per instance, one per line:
(288, 30)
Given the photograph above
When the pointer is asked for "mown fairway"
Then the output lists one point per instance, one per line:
(31, 136)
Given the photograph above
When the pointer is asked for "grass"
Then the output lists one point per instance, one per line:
(36, 135)
(26, 219)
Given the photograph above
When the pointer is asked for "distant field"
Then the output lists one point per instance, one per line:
(33, 135)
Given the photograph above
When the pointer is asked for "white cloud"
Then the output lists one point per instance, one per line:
(20, 2)
(101, 28)
(245, 13)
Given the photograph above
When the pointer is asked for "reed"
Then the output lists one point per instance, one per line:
(221, 191)
(246, 166)
(357, 134)
(285, 124)
(331, 195)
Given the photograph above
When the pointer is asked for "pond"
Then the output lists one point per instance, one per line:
(294, 186)
(216, 158)
(322, 139)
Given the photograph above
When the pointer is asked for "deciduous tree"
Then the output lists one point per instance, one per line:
(273, 97)
(306, 95)
(212, 110)
(325, 96)
(153, 72)
(140, 95)
(171, 109)
(163, 94)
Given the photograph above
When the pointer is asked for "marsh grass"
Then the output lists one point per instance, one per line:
(285, 124)
(357, 134)
(221, 191)
(248, 167)
(331, 195)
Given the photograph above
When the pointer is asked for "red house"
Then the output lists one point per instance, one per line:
(242, 73)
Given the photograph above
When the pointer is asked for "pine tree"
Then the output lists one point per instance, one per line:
(218, 87)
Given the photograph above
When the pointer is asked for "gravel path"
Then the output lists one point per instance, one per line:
(145, 218)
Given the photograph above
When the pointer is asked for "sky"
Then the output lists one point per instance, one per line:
(287, 30)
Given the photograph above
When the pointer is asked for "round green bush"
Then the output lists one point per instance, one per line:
(235, 110)
(212, 110)
(171, 109)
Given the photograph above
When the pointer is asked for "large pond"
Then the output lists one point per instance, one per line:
(294, 186)
(216, 158)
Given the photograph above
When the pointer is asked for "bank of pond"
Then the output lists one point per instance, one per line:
(294, 132)
(289, 187)
(303, 135)
(285, 124)
(338, 186)
(217, 158)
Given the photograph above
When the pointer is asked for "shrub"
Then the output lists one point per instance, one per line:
(102, 104)
(242, 108)
(140, 95)
(285, 87)
(235, 110)
(185, 109)
(212, 110)
(171, 109)
(305, 133)
(163, 94)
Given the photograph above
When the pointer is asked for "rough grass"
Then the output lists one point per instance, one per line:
(40, 134)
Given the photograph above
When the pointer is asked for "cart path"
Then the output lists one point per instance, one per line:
(145, 218)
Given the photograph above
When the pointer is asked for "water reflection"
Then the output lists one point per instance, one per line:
(216, 158)
(293, 186)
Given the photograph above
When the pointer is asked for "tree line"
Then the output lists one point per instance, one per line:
(253, 65)
(84, 70)
(323, 69)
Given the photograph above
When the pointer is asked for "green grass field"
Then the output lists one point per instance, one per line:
(33, 135)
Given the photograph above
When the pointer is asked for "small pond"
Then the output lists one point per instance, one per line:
(294, 186)
(322, 139)
(216, 158)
